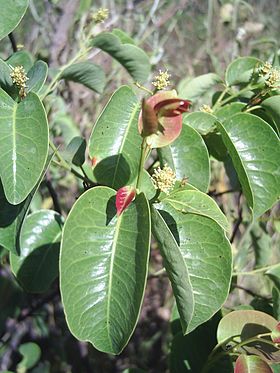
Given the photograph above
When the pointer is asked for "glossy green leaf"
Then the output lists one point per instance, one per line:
(37, 76)
(146, 185)
(255, 152)
(11, 14)
(246, 324)
(240, 71)
(195, 202)
(37, 266)
(272, 106)
(133, 59)
(194, 88)
(103, 268)
(229, 110)
(251, 364)
(197, 258)
(31, 353)
(13, 216)
(115, 142)
(188, 157)
(24, 141)
(203, 123)
(86, 73)
(75, 151)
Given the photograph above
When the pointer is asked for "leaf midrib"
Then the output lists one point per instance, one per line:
(124, 140)
(14, 149)
(110, 282)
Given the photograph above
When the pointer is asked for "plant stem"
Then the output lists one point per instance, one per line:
(66, 166)
(84, 50)
(253, 108)
(144, 152)
(239, 93)
(256, 271)
(218, 102)
(138, 85)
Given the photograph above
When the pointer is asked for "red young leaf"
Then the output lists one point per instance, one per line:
(167, 109)
(251, 364)
(124, 197)
(172, 107)
(275, 335)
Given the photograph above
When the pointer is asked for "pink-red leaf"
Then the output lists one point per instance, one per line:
(124, 197)
(275, 335)
(251, 364)
(168, 109)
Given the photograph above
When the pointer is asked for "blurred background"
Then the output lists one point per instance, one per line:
(186, 37)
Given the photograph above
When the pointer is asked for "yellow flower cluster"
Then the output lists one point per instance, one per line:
(206, 109)
(273, 78)
(265, 68)
(19, 78)
(101, 15)
(164, 179)
(271, 74)
(161, 80)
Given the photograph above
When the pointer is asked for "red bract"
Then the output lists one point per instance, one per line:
(172, 107)
(160, 120)
(124, 197)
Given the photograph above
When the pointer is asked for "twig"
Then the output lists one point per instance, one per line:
(238, 221)
(13, 42)
(214, 194)
(53, 194)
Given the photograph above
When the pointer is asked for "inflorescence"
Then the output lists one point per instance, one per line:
(164, 179)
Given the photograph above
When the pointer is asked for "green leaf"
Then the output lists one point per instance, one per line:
(240, 71)
(103, 268)
(21, 58)
(5, 79)
(31, 353)
(86, 73)
(203, 123)
(133, 59)
(251, 364)
(229, 110)
(37, 266)
(13, 216)
(11, 15)
(189, 353)
(195, 202)
(123, 36)
(75, 151)
(255, 152)
(188, 157)
(272, 106)
(24, 141)
(197, 258)
(146, 185)
(37, 76)
(115, 142)
(193, 89)
(274, 275)
(245, 324)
